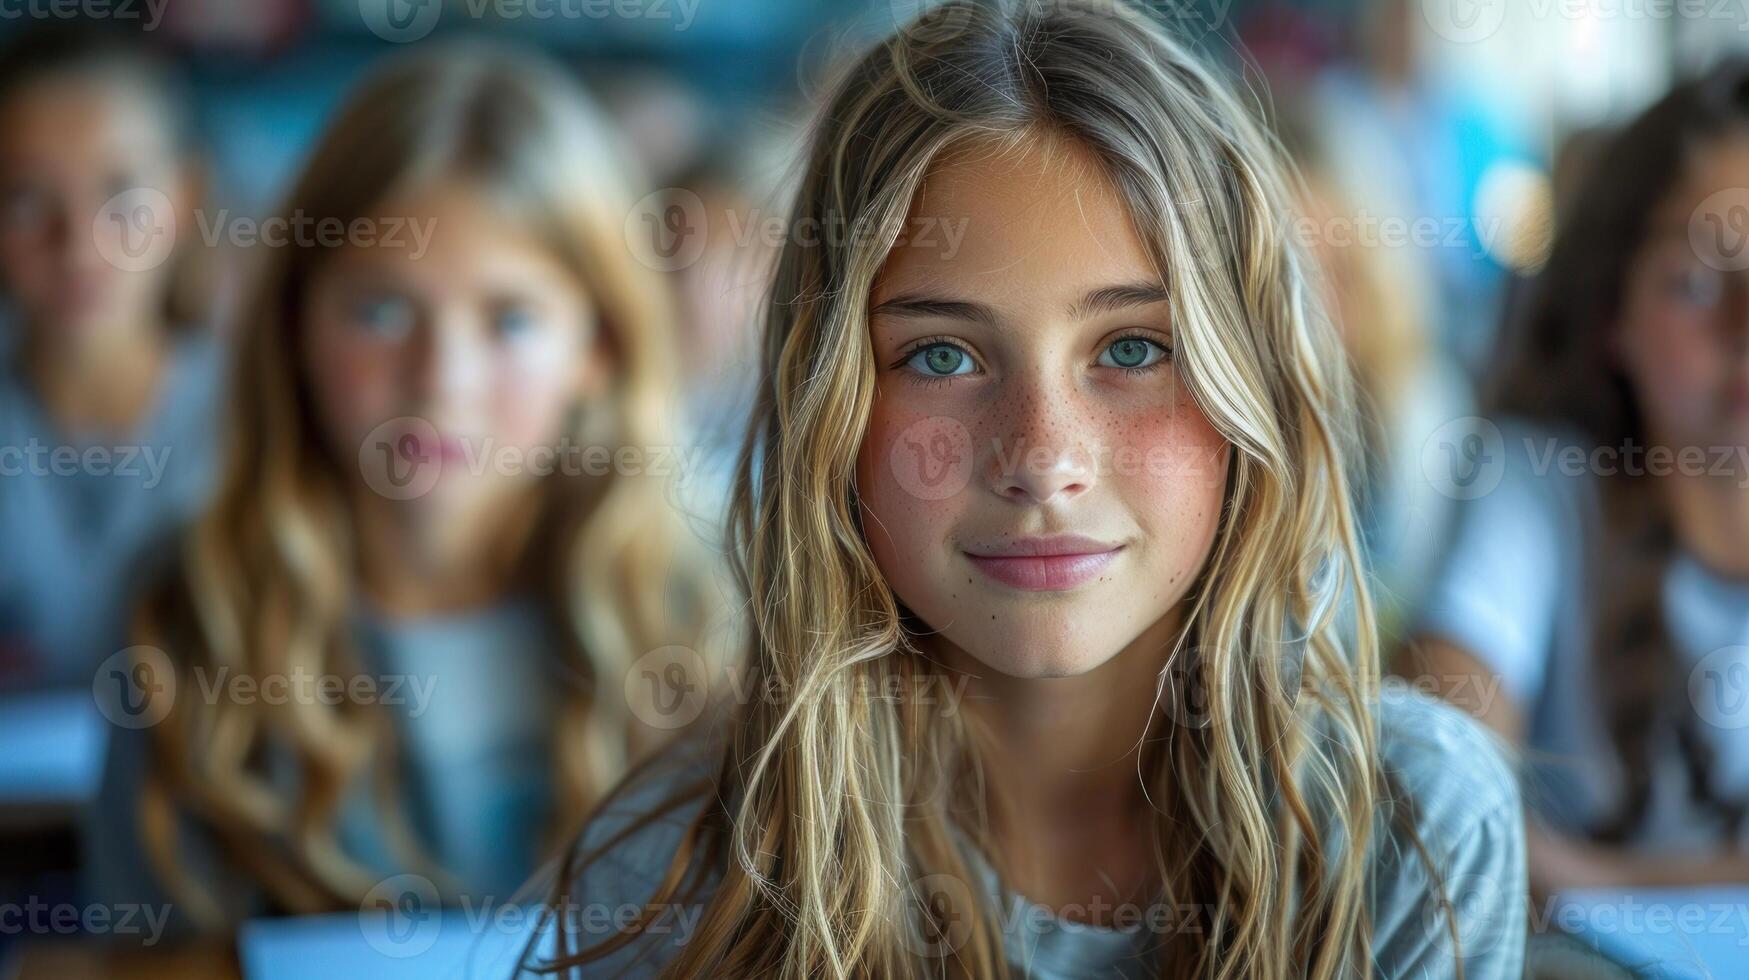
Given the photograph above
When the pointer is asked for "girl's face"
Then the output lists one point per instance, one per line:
(68, 146)
(446, 369)
(1683, 338)
(1037, 484)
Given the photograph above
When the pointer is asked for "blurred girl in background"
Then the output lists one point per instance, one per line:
(1596, 603)
(107, 383)
(1044, 523)
(385, 514)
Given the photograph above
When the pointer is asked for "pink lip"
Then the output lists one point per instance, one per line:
(449, 449)
(1050, 564)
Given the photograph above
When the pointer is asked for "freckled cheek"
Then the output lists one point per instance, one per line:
(903, 513)
(356, 387)
(1679, 373)
(529, 407)
(1170, 468)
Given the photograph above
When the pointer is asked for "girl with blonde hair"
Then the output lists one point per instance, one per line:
(445, 498)
(1044, 521)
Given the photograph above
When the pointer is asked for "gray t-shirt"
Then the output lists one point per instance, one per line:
(1465, 809)
(78, 515)
(1515, 592)
(472, 696)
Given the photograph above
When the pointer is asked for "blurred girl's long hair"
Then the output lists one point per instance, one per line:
(265, 580)
(1561, 370)
(834, 806)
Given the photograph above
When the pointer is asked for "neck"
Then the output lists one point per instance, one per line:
(1711, 516)
(413, 564)
(95, 377)
(1061, 757)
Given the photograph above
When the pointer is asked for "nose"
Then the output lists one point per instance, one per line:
(451, 364)
(1042, 457)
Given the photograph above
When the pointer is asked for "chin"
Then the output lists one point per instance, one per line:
(1036, 654)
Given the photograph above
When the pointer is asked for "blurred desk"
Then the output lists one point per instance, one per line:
(428, 944)
(1660, 933)
(71, 961)
(51, 760)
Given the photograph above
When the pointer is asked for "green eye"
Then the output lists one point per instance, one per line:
(941, 360)
(1132, 352)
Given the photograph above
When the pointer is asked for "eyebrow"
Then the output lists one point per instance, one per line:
(1106, 299)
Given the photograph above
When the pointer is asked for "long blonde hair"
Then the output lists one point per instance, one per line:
(830, 805)
(265, 578)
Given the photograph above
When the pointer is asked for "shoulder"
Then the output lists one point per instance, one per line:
(1450, 768)
(622, 860)
(1450, 837)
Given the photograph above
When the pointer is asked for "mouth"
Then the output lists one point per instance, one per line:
(1055, 564)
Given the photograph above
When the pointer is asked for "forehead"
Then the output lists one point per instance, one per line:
(1719, 164)
(81, 118)
(1019, 227)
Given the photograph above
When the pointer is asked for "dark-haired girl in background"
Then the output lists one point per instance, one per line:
(1598, 596)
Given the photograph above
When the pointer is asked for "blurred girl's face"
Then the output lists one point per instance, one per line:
(1683, 338)
(68, 146)
(1037, 485)
(447, 370)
